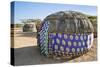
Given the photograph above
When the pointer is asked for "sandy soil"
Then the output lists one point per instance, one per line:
(24, 39)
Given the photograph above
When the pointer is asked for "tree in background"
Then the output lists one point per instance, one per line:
(93, 20)
(24, 21)
(18, 25)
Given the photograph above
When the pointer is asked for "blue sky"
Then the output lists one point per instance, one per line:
(33, 10)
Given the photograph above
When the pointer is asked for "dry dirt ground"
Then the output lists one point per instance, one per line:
(26, 51)
(23, 39)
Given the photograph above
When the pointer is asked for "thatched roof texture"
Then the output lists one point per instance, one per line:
(69, 22)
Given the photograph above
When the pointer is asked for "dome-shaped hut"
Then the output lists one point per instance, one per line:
(29, 27)
(65, 33)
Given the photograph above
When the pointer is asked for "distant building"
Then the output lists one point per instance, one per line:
(29, 27)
